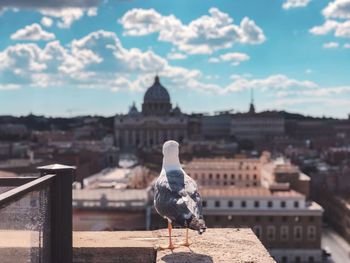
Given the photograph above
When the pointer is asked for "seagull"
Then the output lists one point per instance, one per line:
(176, 196)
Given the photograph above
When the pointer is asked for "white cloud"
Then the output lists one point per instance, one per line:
(327, 27)
(33, 4)
(315, 92)
(331, 45)
(213, 60)
(66, 16)
(337, 15)
(332, 102)
(9, 86)
(92, 11)
(97, 60)
(235, 58)
(338, 9)
(278, 81)
(270, 83)
(173, 55)
(289, 4)
(341, 29)
(66, 11)
(308, 71)
(201, 36)
(46, 21)
(346, 45)
(32, 32)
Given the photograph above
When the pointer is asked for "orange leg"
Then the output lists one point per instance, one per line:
(170, 245)
(185, 243)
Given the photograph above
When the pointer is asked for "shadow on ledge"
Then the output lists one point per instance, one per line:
(184, 257)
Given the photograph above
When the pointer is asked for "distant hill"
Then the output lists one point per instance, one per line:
(34, 122)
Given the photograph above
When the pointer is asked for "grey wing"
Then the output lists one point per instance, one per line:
(177, 198)
(194, 200)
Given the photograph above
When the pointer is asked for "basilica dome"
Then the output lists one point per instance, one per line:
(156, 93)
(156, 100)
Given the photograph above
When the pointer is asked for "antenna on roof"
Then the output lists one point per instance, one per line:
(251, 95)
(251, 107)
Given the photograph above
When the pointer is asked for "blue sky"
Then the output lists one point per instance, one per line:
(65, 58)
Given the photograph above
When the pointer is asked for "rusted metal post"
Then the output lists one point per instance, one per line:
(61, 212)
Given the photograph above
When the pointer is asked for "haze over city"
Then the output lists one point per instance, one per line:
(73, 58)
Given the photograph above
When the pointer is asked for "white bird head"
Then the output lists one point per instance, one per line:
(171, 155)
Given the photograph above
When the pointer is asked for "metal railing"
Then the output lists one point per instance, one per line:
(53, 189)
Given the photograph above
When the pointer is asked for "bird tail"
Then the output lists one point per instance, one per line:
(197, 224)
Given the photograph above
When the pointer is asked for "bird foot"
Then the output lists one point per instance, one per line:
(184, 243)
(170, 246)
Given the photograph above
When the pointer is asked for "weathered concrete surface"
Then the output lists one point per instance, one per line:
(116, 247)
(215, 245)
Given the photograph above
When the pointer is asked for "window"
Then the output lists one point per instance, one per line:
(284, 233)
(204, 203)
(257, 231)
(311, 219)
(210, 176)
(230, 204)
(297, 259)
(271, 218)
(311, 232)
(257, 219)
(232, 183)
(311, 259)
(283, 204)
(284, 259)
(271, 232)
(247, 177)
(297, 232)
(232, 176)
(296, 204)
(239, 176)
(256, 204)
(33, 202)
(284, 219)
(217, 176)
(225, 176)
(254, 176)
(269, 204)
(243, 204)
(217, 203)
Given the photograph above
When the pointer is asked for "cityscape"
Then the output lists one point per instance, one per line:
(268, 149)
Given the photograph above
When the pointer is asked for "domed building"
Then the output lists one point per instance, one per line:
(156, 123)
(156, 100)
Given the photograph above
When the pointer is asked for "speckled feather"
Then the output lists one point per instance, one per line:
(177, 199)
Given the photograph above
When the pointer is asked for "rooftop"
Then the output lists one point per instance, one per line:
(111, 198)
(246, 192)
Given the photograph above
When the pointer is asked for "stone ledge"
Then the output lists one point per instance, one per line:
(215, 245)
